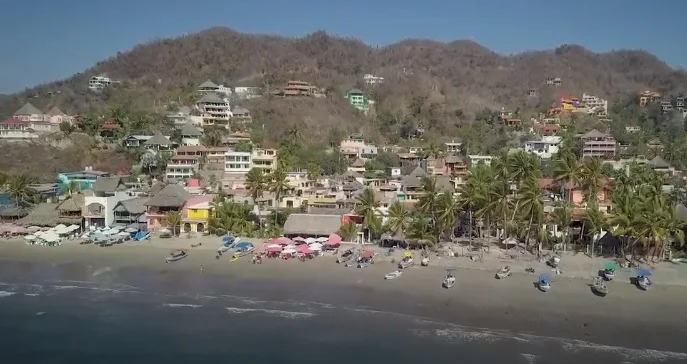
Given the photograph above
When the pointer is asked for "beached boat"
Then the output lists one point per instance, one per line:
(609, 270)
(554, 262)
(450, 279)
(600, 287)
(503, 272)
(176, 255)
(407, 260)
(393, 275)
(424, 262)
(364, 262)
(242, 249)
(544, 283)
(642, 280)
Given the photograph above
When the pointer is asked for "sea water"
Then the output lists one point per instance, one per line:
(143, 318)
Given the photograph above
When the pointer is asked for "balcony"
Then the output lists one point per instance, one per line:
(95, 210)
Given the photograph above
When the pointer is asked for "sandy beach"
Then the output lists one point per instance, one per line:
(627, 316)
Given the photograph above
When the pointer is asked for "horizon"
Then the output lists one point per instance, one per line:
(65, 39)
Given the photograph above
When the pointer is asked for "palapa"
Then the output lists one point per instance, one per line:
(309, 224)
(47, 214)
(13, 212)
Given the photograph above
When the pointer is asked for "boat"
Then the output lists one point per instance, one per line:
(393, 275)
(554, 262)
(450, 278)
(609, 270)
(424, 262)
(407, 260)
(352, 261)
(242, 248)
(503, 272)
(600, 287)
(364, 262)
(176, 255)
(544, 283)
(642, 280)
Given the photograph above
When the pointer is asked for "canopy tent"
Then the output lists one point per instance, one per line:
(321, 239)
(284, 241)
(315, 246)
(299, 238)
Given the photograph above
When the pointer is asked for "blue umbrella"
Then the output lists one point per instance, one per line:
(643, 272)
(544, 278)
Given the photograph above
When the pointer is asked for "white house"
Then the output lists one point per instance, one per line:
(237, 162)
(56, 116)
(97, 83)
(477, 159)
(372, 79)
(29, 112)
(213, 109)
(15, 129)
(210, 87)
(453, 146)
(190, 135)
(182, 167)
(101, 200)
(544, 148)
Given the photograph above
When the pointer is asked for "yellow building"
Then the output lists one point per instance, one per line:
(196, 213)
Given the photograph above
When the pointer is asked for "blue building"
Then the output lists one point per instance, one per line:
(85, 179)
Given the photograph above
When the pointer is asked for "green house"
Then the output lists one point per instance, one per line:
(358, 99)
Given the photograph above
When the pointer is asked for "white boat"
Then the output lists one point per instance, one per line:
(544, 283)
(609, 274)
(393, 275)
(406, 262)
(424, 262)
(644, 283)
(450, 279)
(600, 287)
(176, 255)
(503, 272)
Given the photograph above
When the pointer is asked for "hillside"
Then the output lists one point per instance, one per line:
(458, 75)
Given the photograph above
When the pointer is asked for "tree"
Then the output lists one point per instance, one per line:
(19, 188)
(66, 128)
(172, 220)
(398, 219)
(243, 147)
(149, 162)
(70, 188)
(278, 185)
(348, 231)
(256, 184)
(232, 217)
(366, 206)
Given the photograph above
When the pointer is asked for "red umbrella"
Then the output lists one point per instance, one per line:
(304, 249)
(334, 239)
(367, 254)
(274, 250)
(284, 241)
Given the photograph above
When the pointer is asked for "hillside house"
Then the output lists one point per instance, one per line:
(241, 115)
(371, 79)
(596, 105)
(97, 83)
(18, 130)
(546, 147)
(209, 87)
(264, 159)
(214, 109)
(190, 135)
(296, 88)
(158, 143)
(83, 179)
(57, 116)
(598, 144)
(649, 97)
(358, 100)
(237, 162)
(180, 117)
(181, 167)
(29, 112)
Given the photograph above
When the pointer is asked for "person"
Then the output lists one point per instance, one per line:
(201, 269)
(254, 259)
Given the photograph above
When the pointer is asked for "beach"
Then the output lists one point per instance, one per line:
(644, 323)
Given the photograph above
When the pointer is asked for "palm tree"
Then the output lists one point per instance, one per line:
(278, 185)
(173, 221)
(366, 206)
(398, 219)
(446, 214)
(19, 188)
(591, 176)
(232, 217)
(595, 222)
(532, 205)
(473, 193)
(563, 217)
(348, 231)
(256, 184)
(314, 171)
(428, 201)
(212, 137)
(420, 231)
(567, 173)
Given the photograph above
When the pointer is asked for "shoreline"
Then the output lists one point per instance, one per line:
(626, 317)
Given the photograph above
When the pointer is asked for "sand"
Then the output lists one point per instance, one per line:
(626, 317)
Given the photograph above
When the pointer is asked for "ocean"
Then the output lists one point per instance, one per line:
(132, 315)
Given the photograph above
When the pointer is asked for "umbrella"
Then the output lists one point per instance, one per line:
(131, 230)
(315, 246)
(610, 266)
(274, 246)
(30, 237)
(60, 227)
(299, 238)
(643, 272)
(284, 241)
(321, 239)
(544, 278)
(73, 227)
(261, 249)
(273, 249)
(34, 228)
(303, 249)
(334, 239)
(367, 254)
(310, 240)
(123, 234)
(289, 250)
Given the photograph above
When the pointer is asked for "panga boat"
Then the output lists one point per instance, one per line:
(609, 270)
(544, 283)
(393, 275)
(407, 260)
(176, 255)
(503, 272)
(450, 278)
(554, 262)
(424, 262)
(600, 287)
(642, 279)
(242, 248)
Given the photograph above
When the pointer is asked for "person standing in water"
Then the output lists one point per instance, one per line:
(201, 269)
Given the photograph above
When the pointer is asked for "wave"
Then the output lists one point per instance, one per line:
(6, 294)
(181, 305)
(31, 294)
(278, 313)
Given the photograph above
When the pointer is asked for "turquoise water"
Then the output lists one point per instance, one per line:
(135, 316)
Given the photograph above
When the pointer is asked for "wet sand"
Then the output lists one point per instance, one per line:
(626, 317)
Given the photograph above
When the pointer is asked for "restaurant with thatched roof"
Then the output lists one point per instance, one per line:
(13, 213)
(312, 225)
(47, 214)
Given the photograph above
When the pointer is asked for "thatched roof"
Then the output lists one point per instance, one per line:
(74, 203)
(158, 139)
(109, 184)
(46, 214)
(133, 206)
(15, 212)
(308, 224)
(169, 196)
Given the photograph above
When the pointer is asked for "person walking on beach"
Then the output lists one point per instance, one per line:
(201, 269)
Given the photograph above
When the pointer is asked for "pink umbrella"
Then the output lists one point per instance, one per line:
(273, 250)
(304, 249)
(299, 238)
(284, 241)
(262, 249)
(367, 254)
(334, 239)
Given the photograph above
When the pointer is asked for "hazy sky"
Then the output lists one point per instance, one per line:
(45, 40)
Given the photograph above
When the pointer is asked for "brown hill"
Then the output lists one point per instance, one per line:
(458, 75)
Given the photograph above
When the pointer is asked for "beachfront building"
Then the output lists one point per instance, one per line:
(311, 225)
(544, 148)
(170, 199)
(196, 213)
(101, 200)
(84, 179)
(358, 100)
(131, 212)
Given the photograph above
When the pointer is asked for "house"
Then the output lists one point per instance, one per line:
(648, 97)
(237, 162)
(108, 129)
(182, 167)
(216, 155)
(355, 147)
(84, 179)
(29, 112)
(196, 212)
(544, 148)
(97, 83)
(477, 159)
(358, 100)
(190, 135)
(453, 146)
(596, 105)
(576, 195)
(246, 92)
(370, 79)
(17, 130)
(170, 199)
(56, 116)
(101, 200)
(659, 165)
(265, 159)
(52, 214)
(633, 129)
(553, 81)
(131, 212)
(158, 142)
(394, 171)
(357, 166)
(214, 109)
(666, 106)
(235, 138)
(546, 129)
(181, 117)
(210, 87)
(680, 103)
(135, 141)
(241, 115)
(311, 225)
(598, 144)
(296, 88)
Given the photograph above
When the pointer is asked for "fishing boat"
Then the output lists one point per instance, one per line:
(407, 260)
(242, 248)
(544, 283)
(393, 275)
(176, 255)
(424, 262)
(450, 279)
(600, 287)
(503, 272)
(609, 270)
(554, 262)
(642, 280)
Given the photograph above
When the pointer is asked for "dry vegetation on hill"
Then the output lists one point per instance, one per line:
(458, 75)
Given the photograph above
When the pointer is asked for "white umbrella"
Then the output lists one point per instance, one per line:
(321, 239)
(290, 247)
(50, 238)
(165, 231)
(289, 251)
(310, 240)
(123, 234)
(73, 227)
(315, 246)
(60, 227)
(131, 230)
(116, 228)
(30, 237)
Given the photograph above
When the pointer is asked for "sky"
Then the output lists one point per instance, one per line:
(47, 40)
